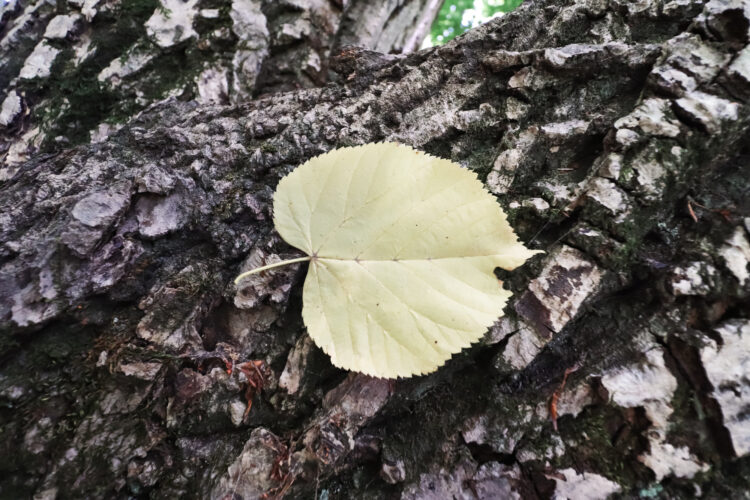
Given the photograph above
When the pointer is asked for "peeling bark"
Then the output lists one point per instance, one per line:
(615, 135)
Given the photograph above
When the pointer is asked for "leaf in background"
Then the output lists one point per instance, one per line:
(403, 248)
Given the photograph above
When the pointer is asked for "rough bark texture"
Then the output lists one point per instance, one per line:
(77, 71)
(387, 26)
(614, 133)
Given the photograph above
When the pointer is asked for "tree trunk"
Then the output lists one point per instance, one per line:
(79, 71)
(614, 134)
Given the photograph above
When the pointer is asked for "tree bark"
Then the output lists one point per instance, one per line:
(79, 72)
(614, 134)
(389, 26)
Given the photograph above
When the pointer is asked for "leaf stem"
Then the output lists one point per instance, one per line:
(270, 266)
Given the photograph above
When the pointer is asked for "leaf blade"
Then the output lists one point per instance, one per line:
(403, 250)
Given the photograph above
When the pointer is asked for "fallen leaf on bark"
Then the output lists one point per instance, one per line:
(402, 249)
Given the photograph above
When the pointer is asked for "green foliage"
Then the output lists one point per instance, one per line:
(458, 16)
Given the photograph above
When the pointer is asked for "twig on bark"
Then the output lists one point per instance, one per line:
(556, 395)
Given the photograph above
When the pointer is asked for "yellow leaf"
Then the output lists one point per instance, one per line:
(402, 249)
